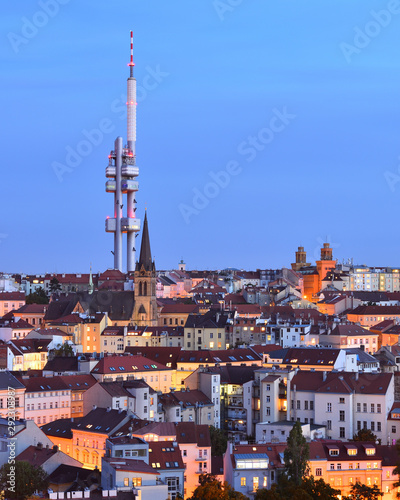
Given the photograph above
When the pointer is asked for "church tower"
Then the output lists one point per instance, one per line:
(145, 310)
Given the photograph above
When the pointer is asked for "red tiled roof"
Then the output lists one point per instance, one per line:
(35, 456)
(342, 382)
(32, 309)
(189, 432)
(131, 465)
(375, 310)
(188, 398)
(12, 296)
(164, 455)
(44, 384)
(127, 364)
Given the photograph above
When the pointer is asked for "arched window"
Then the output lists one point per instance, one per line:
(140, 288)
(145, 289)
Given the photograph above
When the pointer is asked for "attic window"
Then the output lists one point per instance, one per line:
(154, 366)
(89, 426)
(334, 452)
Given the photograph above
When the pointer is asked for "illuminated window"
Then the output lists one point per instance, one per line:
(242, 481)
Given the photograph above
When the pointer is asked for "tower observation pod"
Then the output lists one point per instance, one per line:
(121, 173)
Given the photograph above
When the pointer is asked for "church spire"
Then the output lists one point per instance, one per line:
(145, 252)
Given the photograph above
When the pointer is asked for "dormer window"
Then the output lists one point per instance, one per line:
(334, 452)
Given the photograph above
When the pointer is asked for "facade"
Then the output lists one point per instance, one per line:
(46, 399)
(345, 402)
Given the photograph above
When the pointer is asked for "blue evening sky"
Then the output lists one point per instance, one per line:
(294, 106)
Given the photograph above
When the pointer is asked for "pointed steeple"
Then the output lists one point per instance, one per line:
(145, 252)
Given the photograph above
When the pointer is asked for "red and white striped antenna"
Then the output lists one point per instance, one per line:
(131, 64)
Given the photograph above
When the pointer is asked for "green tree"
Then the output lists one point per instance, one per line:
(20, 480)
(365, 435)
(296, 455)
(363, 492)
(55, 285)
(219, 441)
(62, 351)
(37, 297)
(309, 489)
(319, 489)
(212, 489)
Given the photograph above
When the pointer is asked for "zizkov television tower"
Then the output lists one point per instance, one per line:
(122, 171)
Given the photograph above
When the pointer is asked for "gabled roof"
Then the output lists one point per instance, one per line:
(157, 428)
(342, 382)
(126, 364)
(12, 296)
(166, 355)
(211, 319)
(44, 384)
(32, 309)
(186, 399)
(165, 455)
(375, 310)
(61, 308)
(7, 380)
(189, 432)
(101, 421)
(305, 356)
(79, 382)
(179, 308)
(25, 345)
(352, 331)
(130, 465)
(36, 456)
(223, 356)
(61, 427)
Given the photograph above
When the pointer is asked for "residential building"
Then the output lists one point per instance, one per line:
(46, 399)
(120, 368)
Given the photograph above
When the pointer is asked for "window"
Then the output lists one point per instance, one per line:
(378, 408)
(358, 407)
(342, 432)
(372, 408)
(372, 426)
(318, 472)
(242, 481)
(393, 429)
(341, 400)
(298, 405)
(311, 405)
(365, 407)
(342, 416)
(255, 483)
(306, 405)
(332, 466)
(329, 407)
(329, 425)
(126, 481)
(379, 427)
